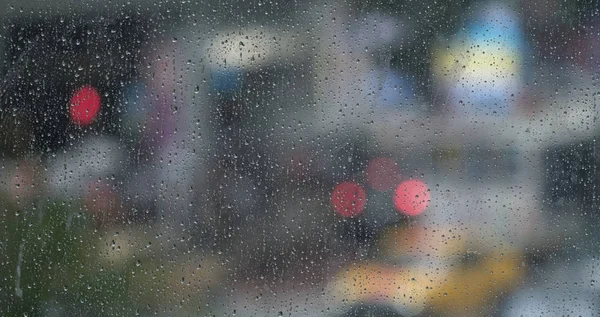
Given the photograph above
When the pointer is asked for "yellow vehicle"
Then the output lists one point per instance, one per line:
(431, 270)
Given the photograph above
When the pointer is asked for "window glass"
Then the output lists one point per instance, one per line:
(299, 158)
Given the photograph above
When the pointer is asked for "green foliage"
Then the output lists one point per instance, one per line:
(42, 247)
(47, 257)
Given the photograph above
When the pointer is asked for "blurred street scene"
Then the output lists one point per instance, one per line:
(300, 158)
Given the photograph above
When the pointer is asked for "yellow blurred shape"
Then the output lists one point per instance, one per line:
(486, 64)
(453, 287)
(420, 242)
(371, 282)
(470, 290)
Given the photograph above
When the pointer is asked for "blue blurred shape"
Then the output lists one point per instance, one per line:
(136, 103)
(391, 89)
(226, 80)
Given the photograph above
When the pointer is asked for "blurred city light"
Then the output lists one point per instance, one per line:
(348, 199)
(412, 197)
(382, 173)
(84, 105)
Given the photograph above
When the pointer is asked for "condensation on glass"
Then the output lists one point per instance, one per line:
(299, 158)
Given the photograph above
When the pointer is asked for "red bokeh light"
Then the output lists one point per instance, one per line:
(382, 173)
(412, 197)
(84, 105)
(348, 199)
